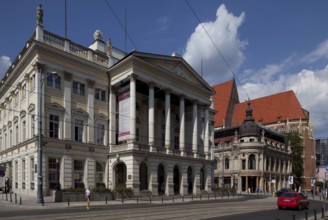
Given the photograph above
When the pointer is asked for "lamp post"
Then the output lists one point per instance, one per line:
(40, 67)
(222, 177)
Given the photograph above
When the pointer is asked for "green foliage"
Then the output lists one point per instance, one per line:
(297, 151)
(74, 190)
(101, 189)
(122, 188)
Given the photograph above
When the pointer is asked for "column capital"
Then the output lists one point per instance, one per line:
(67, 76)
(167, 90)
(151, 84)
(39, 66)
(133, 76)
(91, 83)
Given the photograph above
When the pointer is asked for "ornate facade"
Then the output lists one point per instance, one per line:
(109, 119)
(251, 158)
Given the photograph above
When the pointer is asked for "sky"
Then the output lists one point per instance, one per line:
(268, 46)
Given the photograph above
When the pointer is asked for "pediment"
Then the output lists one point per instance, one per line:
(79, 111)
(101, 117)
(55, 106)
(176, 66)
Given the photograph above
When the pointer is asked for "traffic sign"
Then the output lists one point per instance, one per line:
(312, 182)
(290, 180)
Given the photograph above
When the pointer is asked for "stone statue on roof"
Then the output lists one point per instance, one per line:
(39, 15)
(109, 47)
(98, 35)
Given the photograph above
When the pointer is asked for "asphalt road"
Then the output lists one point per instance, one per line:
(249, 207)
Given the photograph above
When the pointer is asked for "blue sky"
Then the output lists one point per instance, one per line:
(271, 45)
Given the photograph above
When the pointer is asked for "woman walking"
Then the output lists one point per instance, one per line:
(87, 196)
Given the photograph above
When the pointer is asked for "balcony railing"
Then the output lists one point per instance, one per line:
(74, 48)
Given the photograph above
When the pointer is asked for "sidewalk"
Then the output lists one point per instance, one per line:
(31, 202)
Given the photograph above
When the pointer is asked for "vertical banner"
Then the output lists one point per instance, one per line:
(124, 115)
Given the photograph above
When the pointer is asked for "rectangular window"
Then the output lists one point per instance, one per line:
(53, 172)
(53, 80)
(78, 130)
(100, 134)
(16, 99)
(32, 125)
(23, 173)
(100, 94)
(243, 164)
(32, 173)
(54, 126)
(24, 91)
(78, 174)
(32, 83)
(78, 88)
(24, 131)
(16, 174)
(10, 106)
(17, 134)
(100, 170)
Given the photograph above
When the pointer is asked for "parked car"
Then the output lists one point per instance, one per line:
(281, 191)
(293, 200)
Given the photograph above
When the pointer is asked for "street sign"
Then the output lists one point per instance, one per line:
(312, 182)
(290, 180)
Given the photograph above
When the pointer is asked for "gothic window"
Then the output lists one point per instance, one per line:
(226, 164)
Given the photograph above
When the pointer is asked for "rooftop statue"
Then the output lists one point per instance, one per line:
(98, 35)
(39, 15)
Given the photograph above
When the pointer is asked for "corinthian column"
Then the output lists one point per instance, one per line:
(167, 121)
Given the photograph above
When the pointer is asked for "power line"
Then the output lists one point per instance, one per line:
(122, 26)
(217, 48)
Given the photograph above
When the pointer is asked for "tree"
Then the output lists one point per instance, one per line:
(295, 141)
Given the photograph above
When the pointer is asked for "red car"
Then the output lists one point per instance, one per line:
(293, 200)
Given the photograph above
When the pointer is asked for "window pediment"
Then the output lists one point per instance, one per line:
(55, 106)
(101, 117)
(15, 120)
(23, 114)
(80, 112)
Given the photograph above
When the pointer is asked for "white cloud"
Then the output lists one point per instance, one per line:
(224, 33)
(310, 87)
(320, 52)
(4, 64)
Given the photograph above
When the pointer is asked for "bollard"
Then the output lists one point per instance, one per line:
(11, 199)
(182, 198)
(122, 199)
(294, 217)
(228, 195)
(20, 200)
(306, 215)
(15, 198)
(106, 199)
(173, 198)
(215, 195)
(222, 195)
(137, 199)
(6, 196)
(150, 199)
(192, 196)
(208, 196)
(162, 198)
(200, 197)
(323, 213)
(68, 201)
(315, 214)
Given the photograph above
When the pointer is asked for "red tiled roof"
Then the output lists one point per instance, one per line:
(221, 101)
(270, 109)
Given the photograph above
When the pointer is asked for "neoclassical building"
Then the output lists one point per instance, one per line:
(251, 157)
(104, 118)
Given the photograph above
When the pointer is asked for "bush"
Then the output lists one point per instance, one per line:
(74, 190)
(122, 188)
(101, 189)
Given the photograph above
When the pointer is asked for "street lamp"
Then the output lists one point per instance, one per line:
(40, 67)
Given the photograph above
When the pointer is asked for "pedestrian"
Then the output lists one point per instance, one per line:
(88, 196)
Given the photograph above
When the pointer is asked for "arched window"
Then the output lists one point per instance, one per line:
(226, 164)
(251, 162)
